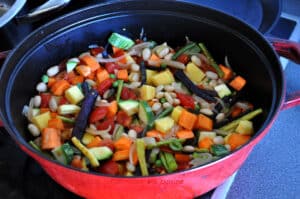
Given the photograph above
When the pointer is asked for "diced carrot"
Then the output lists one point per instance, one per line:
(235, 140)
(116, 50)
(187, 120)
(91, 76)
(122, 74)
(91, 62)
(102, 75)
(83, 70)
(95, 142)
(204, 123)
(179, 157)
(226, 71)
(236, 111)
(205, 143)
(56, 123)
(76, 79)
(59, 87)
(51, 81)
(50, 138)
(118, 53)
(44, 110)
(185, 134)
(150, 103)
(238, 83)
(123, 143)
(154, 133)
(155, 59)
(77, 162)
(112, 109)
(121, 155)
(135, 158)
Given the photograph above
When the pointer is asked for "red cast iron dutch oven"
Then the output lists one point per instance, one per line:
(248, 51)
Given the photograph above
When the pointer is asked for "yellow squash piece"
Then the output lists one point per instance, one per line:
(41, 121)
(164, 124)
(147, 92)
(149, 74)
(195, 74)
(176, 113)
(74, 95)
(162, 78)
(245, 127)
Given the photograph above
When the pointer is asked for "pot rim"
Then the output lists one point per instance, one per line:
(8, 122)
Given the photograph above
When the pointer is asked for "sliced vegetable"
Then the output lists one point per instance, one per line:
(168, 161)
(93, 160)
(131, 107)
(245, 127)
(194, 73)
(121, 155)
(187, 120)
(98, 113)
(63, 153)
(189, 48)
(56, 123)
(50, 138)
(204, 123)
(82, 118)
(176, 113)
(145, 113)
(234, 124)
(140, 146)
(185, 134)
(122, 75)
(67, 109)
(164, 124)
(74, 95)
(219, 150)
(120, 41)
(59, 87)
(238, 83)
(162, 78)
(164, 143)
(236, 140)
(119, 130)
(66, 119)
(101, 153)
(119, 91)
(71, 65)
(147, 92)
(186, 101)
(222, 90)
(41, 120)
(123, 143)
(176, 145)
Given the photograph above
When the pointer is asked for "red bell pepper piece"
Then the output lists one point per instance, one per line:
(109, 167)
(127, 93)
(98, 113)
(45, 98)
(111, 67)
(105, 85)
(124, 119)
(186, 101)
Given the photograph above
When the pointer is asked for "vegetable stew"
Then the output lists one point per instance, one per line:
(135, 107)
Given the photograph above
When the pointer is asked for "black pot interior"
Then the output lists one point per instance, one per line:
(248, 53)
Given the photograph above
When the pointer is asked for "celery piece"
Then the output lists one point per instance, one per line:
(140, 147)
(168, 161)
(119, 91)
(235, 123)
(164, 142)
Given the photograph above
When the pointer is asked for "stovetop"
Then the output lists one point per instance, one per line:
(21, 177)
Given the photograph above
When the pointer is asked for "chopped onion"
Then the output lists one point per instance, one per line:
(107, 60)
(102, 133)
(141, 46)
(149, 140)
(102, 103)
(227, 62)
(174, 64)
(30, 110)
(242, 105)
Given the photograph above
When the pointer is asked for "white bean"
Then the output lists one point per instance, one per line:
(189, 149)
(33, 129)
(37, 101)
(135, 67)
(53, 104)
(132, 133)
(159, 88)
(176, 101)
(135, 77)
(107, 94)
(173, 94)
(206, 111)
(220, 117)
(204, 105)
(218, 140)
(169, 88)
(41, 87)
(167, 105)
(90, 82)
(169, 98)
(160, 95)
(213, 83)
(211, 75)
(156, 106)
(196, 60)
(52, 71)
(146, 54)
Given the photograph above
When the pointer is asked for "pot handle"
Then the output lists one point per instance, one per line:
(286, 48)
(290, 50)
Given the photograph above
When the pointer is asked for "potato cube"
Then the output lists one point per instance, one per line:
(74, 95)
(162, 78)
(176, 113)
(194, 73)
(164, 124)
(245, 127)
(147, 92)
(41, 121)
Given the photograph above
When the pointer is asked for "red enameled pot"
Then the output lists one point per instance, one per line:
(249, 53)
